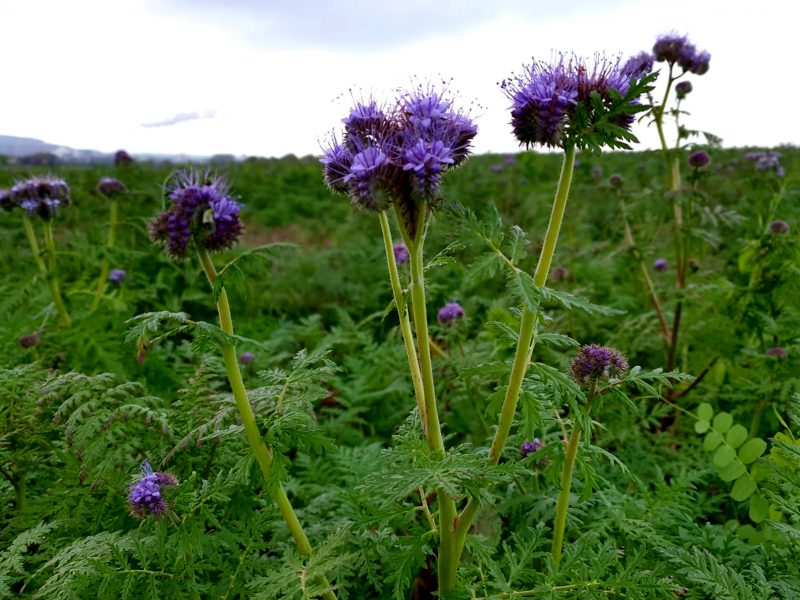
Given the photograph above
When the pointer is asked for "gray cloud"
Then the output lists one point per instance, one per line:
(181, 117)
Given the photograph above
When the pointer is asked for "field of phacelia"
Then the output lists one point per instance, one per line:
(565, 374)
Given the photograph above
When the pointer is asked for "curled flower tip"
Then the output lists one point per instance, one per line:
(616, 181)
(201, 211)
(668, 47)
(122, 159)
(660, 264)
(117, 276)
(110, 187)
(41, 196)
(400, 254)
(529, 447)
(450, 312)
(246, 358)
(683, 89)
(560, 273)
(30, 340)
(594, 362)
(146, 496)
(779, 227)
(777, 352)
(699, 159)
(639, 65)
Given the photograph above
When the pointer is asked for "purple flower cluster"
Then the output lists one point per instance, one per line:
(699, 159)
(673, 48)
(639, 65)
(400, 254)
(529, 447)
(201, 210)
(545, 96)
(117, 276)
(110, 187)
(30, 340)
(450, 312)
(398, 153)
(146, 496)
(660, 264)
(39, 196)
(122, 159)
(246, 358)
(779, 227)
(777, 352)
(766, 161)
(595, 362)
(616, 181)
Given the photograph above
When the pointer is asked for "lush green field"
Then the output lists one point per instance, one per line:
(660, 507)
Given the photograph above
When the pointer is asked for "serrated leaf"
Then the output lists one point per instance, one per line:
(702, 426)
(743, 488)
(705, 412)
(751, 450)
(732, 471)
(722, 422)
(736, 435)
(759, 508)
(712, 440)
(723, 456)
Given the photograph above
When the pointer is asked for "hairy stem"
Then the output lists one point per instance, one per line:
(105, 265)
(52, 279)
(405, 323)
(524, 350)
(259, 449)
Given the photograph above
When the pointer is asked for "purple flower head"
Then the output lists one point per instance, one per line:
(146, 495)
(560, 273)
(660, 264)
(766, 161)
(779, 227)
(777, 352)
(699, 159)
(595, 362)
(639, 65)
(400, 254)
(110, 187)
(668, 47)
(30, 340)
(202, 211)
(122, 159)
(529, 447)
(246, 358)
(41, 196)
(683, 88)
(450, 312)
(779, 171)
(117, 276)
(616, 181)
(398, 155)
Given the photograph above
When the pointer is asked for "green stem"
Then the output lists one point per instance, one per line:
(31, 235)
(260, 450)
(562, 504)
(52, 280)
(405, 323)
(659, 119)
(105, 266)
(525, 344)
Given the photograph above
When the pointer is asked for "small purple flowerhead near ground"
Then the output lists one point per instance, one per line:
(110, 187)
(699, 159)
(560, 273)
(400, 254)
(246, 358)
(529, 447)
(450, 312)
(779, 227)
(777, 352)
(146, 496)
(117, 276)
(30, 340)
(595, 362)
(660, 264)
(201, 211)
(41, 196)
(616, 181)
(122, 159)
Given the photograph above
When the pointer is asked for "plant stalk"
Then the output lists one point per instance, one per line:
(105, 265)
(52, 279)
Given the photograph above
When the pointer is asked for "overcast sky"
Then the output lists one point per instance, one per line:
(272, 77)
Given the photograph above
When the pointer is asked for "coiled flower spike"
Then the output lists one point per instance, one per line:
(146, 496)
(41, 196)
(594, 362)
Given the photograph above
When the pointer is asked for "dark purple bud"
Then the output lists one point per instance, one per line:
(30, 340)
(117, 276)
(616, 181)
(400, 254)
(699, 159)
(777, 352)
(110, 187)
(246, 358)
(779, 227)
(595, 362)
(693, 264)
(683, 88)
(450, 312)
(122, 159)
(560, 273)
(529, 447)
(660, 264)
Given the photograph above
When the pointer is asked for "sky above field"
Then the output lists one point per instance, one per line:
(272, 77)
